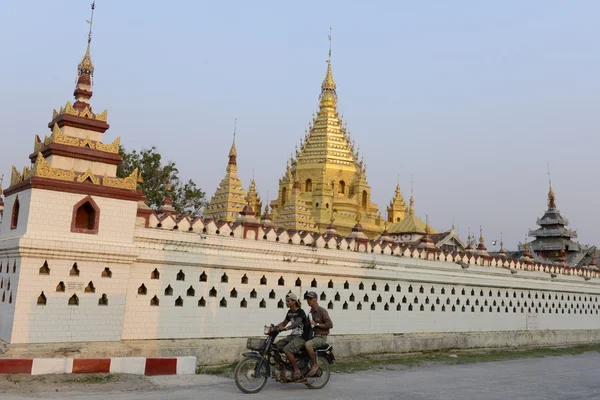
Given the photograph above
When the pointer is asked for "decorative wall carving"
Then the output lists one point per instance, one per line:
(86, 113)
(58, 136)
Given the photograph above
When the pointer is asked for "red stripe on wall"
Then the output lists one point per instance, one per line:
(15, 366)
(161, 366)
(90, 366)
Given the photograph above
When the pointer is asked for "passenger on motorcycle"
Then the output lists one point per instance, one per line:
(321, 324)
(292, 343)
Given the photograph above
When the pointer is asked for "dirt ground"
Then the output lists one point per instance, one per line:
(69, 383)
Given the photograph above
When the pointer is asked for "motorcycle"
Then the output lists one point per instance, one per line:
(265, 361)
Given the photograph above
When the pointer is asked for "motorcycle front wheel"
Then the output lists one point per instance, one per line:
(322, 377)
(246, 378)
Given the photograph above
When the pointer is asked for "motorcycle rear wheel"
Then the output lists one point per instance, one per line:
(245, 375)
(319, 382)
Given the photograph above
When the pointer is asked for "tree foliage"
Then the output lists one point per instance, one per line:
(187, 198)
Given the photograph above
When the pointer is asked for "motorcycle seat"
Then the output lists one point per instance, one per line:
(322, 349)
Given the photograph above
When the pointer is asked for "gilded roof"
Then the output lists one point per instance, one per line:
(410, 224)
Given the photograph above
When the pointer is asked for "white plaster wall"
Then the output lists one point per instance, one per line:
(98, 168)
(51, 212)
(129, 314)
(24, 210)
(82, 133)
(9, 273)
(57, 321)
(255, 259)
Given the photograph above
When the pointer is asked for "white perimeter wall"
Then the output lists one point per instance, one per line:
(430, 296)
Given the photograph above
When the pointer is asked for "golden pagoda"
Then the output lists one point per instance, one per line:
(229, 198)
(326, 179)
(396, 211)
(411, 227)
(253, 198)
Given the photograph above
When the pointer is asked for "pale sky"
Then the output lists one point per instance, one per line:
(472, 97)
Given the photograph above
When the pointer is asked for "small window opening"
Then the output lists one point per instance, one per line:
(90, 288)
(142, 290)
(179, 302)
(103, 301)
(74, 300)
(14, 220)
(74, 271)
(44, 269)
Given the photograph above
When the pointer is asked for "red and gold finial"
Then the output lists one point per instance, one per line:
(551, 197)
(85, 73)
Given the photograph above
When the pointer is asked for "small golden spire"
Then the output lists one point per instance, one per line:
(328, 82)
(140, 179)
(411, 208)
(551, 197)
(233, 151)
(427, 229)
(480, 234)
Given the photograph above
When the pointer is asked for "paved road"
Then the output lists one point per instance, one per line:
(551, 378)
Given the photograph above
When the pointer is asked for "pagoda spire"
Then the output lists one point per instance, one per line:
(85, 74)
(481, 246)
(397, 209)
(253, 198)
(502, 252)
(328, 97)
(411, 207)
(232, 163)
(551, 198)
(229, 198)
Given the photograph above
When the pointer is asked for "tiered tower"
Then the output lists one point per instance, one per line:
(411, 227)
(69, 221)
(326, 179)
(229, 198)
(552, 236)
(253, 198)
(396, 211)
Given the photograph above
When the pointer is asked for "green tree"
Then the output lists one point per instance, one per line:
(187, 198)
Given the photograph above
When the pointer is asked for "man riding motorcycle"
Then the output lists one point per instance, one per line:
(299, 330)
(321, 324)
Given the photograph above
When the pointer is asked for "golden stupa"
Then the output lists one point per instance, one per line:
(326, 180)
